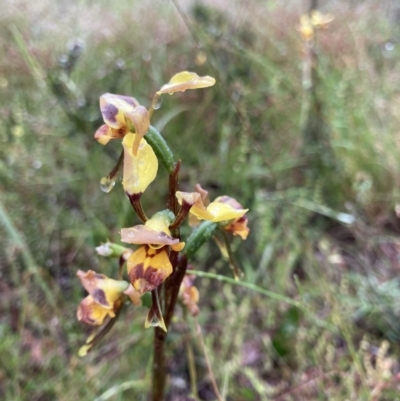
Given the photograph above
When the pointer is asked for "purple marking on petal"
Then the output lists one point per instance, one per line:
(109, 112)
(100, 297)
(127, 99)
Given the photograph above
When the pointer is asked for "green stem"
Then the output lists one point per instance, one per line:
(269, 294)
(161, 149)
(208, 363)
(119, 388)
(237, 273)
(117, 167)
(199, 237)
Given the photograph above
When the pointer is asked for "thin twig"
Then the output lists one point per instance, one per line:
(237, 273)
(273, 295)
(117, 167)
(208, 364)
(191, 361)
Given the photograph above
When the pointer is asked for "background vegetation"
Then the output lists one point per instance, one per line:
(319, 170)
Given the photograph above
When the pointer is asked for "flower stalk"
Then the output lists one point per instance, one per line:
(137, 206)
(159, 263)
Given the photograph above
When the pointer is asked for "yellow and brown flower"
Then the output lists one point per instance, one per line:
(121, 115)
(126, 119)
(91, 312)
(149, 265)
(224, 210)
(148, 268)
(237, 226)
(104, 297)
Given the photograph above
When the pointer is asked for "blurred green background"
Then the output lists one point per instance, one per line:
(316, 161)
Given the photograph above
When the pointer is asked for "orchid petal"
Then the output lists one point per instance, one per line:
(90, 312)
(139, 170)
(148, 268)
(186, 80)
(114, 109)
(105, 134)
(103, 290)
(142, 234)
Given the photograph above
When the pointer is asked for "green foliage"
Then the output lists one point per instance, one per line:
(245, 136)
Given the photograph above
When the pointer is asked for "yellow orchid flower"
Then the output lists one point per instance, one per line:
(105, 133)
(123, 115)
(155, 233)
(103, 299)
(149, 266)
(306, 28)
(320, 20)
(120, 113)
(216, 211)
(105, 291)
(239, 225)
(224, 210)
(91, 312)
(308, 24)
(139, 170)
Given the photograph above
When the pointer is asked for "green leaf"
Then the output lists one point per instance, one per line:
(161, 149)
(199, 236)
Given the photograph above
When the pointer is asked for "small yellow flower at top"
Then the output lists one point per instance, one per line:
(181, 82)
(306, 28)
(185, 80)
(320, 20)
(308, 24)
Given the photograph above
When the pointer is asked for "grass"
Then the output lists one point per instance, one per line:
(316, 316)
